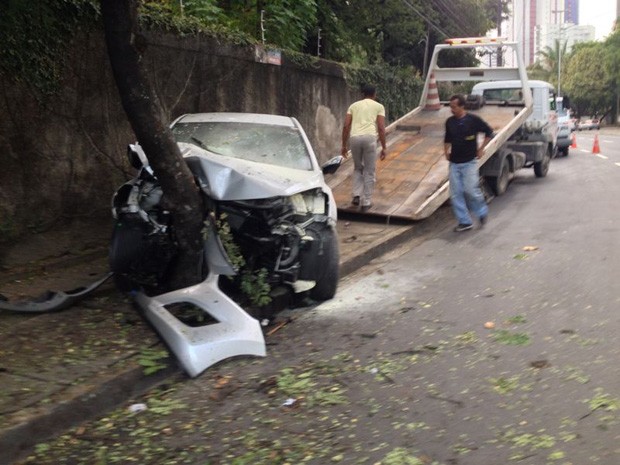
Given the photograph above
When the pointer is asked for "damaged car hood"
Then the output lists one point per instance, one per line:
(227, 178)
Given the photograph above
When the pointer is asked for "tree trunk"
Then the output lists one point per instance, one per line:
(181, 195)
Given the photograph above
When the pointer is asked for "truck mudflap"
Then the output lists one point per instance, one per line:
(233, 333)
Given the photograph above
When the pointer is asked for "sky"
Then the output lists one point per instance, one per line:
(599, 13)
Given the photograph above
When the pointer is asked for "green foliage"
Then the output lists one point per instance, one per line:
(588, 82)
(34, 39)
(253, 283)
(230, 246)
(512, 339)
(285, 22)
(151, 360)
(603, 401)
(401, 456)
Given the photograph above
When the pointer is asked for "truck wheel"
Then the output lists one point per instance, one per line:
(327, 274)
(499, 184)
(542, 167)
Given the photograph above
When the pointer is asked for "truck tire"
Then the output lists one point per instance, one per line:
(542, 167)
(499, 183)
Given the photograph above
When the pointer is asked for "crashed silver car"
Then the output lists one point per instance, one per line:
(260, 177)
(260, 174)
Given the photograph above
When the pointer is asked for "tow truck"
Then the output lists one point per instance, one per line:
(412, 181)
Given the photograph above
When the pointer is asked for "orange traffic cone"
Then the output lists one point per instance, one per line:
(432, 96)
(596, 149)
(573, 144)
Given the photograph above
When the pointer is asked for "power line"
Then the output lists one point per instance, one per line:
(457, 21)
(427, 19)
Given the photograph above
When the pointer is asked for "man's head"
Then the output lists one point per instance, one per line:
(369, 91)
(457, 105)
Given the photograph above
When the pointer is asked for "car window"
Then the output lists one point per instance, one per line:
(262, 143)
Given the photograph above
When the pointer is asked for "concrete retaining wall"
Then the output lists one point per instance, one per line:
(63, 159)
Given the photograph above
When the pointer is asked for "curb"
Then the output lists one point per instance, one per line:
(109, 391)
(85, 403)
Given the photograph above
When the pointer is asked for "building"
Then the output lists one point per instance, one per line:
(571, 11)
(538, 24)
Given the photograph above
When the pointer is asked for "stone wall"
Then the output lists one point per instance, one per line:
(63, 159)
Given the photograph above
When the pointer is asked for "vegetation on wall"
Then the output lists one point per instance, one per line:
(398, 88)
(34, 39)
(389, 38)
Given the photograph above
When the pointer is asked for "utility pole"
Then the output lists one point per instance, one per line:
(499, 31)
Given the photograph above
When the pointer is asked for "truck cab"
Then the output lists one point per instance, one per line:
(542, 123)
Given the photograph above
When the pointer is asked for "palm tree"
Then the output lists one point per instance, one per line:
(549, 62)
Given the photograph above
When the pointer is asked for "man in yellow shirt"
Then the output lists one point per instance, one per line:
(364, 122)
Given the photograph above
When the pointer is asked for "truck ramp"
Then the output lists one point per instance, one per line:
(412, 181)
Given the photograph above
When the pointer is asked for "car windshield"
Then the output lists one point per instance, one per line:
(262, 143)
(503, 95)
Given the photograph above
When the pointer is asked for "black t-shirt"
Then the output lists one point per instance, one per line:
(461, 134)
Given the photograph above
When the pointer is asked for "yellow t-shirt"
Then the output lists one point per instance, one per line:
(364, 117)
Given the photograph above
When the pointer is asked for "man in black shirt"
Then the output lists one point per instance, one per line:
(462, 151)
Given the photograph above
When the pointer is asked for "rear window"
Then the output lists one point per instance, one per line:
(262, 143)
(503, 95)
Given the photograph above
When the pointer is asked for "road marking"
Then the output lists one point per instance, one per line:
(601, 156)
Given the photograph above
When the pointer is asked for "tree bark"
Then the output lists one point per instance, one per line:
(181, 195)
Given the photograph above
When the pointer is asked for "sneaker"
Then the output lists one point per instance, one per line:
(365, 208)
(356, 200)
(463, 227)
(483, 221)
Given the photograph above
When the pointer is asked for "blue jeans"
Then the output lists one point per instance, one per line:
(465, 193)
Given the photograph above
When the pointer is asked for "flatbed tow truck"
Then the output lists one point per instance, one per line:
(412, 182)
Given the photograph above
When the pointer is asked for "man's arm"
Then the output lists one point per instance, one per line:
(346, 130)
(446, 150)
(480, 150)
(381, 131)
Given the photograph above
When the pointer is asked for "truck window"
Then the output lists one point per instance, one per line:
(512, 96)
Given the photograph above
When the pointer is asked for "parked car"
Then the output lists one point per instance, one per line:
(589, 125)
(564, 135)
(260, 176)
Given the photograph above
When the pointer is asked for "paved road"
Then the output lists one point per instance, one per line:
(399, 368)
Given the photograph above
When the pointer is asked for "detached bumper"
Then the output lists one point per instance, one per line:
(197, 348)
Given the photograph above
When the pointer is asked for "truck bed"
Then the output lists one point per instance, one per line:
(412, 182)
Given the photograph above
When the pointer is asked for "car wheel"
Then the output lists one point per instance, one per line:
(542, 167)
(321, 263)
(126, 245)
(499, 184)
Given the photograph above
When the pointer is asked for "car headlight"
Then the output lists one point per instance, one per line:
(313, 201)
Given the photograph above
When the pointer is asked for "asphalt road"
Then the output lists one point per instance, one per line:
(402, 368)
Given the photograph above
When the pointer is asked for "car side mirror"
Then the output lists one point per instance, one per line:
(332, 165)
(136, 156)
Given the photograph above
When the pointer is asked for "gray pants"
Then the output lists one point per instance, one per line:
(364, 151)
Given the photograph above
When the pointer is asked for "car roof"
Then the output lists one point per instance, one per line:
(257, 118)
(512, 84)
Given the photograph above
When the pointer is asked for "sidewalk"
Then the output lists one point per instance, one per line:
(59, 369)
